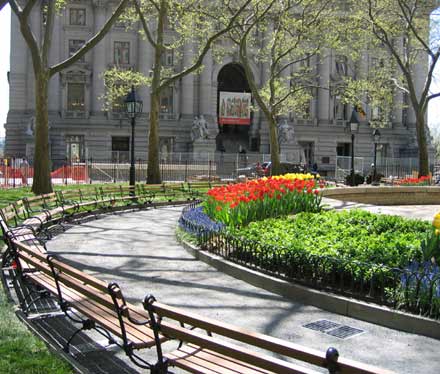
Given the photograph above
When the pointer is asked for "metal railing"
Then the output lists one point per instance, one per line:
(413, 290)
(16, 172)
(389, 167)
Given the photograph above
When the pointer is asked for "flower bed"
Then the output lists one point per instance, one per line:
(242, 203)
(422, 181)
(385, 259)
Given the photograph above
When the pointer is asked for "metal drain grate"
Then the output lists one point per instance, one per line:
(344, 332)
(322, 325)
(334, 329)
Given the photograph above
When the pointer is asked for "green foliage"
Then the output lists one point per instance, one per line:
(20, 351)
(431, 247)
(351, 235)
(118, 83)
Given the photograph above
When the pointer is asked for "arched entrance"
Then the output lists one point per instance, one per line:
(233, 111)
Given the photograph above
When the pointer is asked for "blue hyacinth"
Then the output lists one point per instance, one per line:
(194, 221)
(425, 274)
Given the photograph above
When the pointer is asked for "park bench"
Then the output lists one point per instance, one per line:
(117, 193)
(16, 219)
(87, 301)
(150, 193)
(176, 191)
(46, 208)
(80, 202)
(204, 352)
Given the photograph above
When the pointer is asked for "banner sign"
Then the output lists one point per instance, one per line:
(235, 108)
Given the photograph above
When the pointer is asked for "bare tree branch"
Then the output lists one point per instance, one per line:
(206, 48)
(91, 42)
(144, 24)
(48, 30)
(27, 33)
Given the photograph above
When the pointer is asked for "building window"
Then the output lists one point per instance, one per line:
(168, 57)
(120, 148)
(343, 149)
(405, 102)
(308, 152)
(341, 65)
(375, 113)
(77, 16)
(75, 45)
(339, 110)
(75, 148)
(166, 100)
(118, 105)
(75, 97)
(122, 53)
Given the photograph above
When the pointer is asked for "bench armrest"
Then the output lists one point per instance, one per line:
(125, 311)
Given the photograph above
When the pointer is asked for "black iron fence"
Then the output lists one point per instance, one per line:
(416, 290)
(16, 172)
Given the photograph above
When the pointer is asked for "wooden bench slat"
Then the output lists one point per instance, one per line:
(212, 361)
(228, 349)
(141, 336)
(80, 275)
(234, 332)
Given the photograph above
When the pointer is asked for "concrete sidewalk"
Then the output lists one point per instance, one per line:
(139, 251)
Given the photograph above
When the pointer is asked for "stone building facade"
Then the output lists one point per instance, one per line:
(80, 128)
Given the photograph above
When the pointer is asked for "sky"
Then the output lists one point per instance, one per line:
(5, 40)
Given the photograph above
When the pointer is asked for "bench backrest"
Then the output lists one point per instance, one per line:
(44, 201)
(116, 190)
(252, 339)
(8, 214)
(21, 212)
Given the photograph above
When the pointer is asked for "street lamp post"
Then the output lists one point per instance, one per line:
(376, 139)
(133, 106)
(354, 125)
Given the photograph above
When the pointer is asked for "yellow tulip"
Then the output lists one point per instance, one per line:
(436, 221)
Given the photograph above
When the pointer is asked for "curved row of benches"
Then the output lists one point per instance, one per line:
(94, 304)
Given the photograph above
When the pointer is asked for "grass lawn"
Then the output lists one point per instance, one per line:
(20, 351)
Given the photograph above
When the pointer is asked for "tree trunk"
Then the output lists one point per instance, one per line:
(274, 146)
(153, 171)
(423, 148)
(41, 181)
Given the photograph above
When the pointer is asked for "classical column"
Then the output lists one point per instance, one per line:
(324, 92)
(56, 55)
(207, 100)
(187, 88)
(145, 63)
(21, 66)
(36, 26)
(100, 53)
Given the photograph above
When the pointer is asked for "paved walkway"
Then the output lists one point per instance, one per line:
(140, 252)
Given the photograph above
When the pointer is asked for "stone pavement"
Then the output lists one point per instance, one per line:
(425, 212)
(139, 251)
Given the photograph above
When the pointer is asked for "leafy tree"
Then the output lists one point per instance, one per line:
(43, 72)
(284, 36)
(401, 28)
(187, 22)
